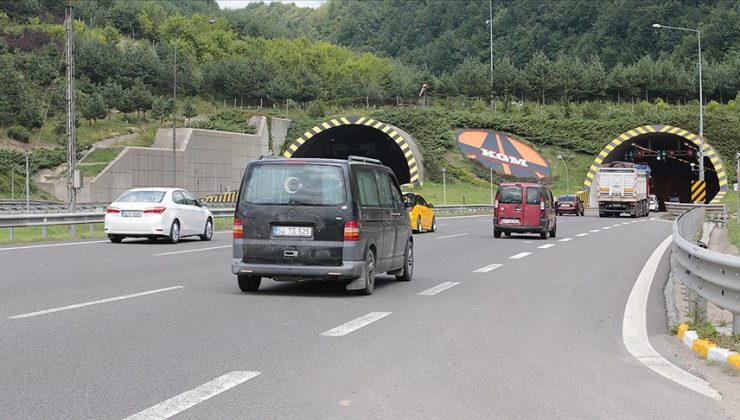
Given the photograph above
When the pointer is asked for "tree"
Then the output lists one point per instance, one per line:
(142, 97)
(19, 133)
(112, 94)
(595, 80)
(537, 75)
(127, 103)
(188, 110)
(93, 108)
(504, 78)
(161, 108)
(470, 79)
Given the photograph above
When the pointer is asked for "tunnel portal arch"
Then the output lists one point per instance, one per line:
(673, 173)
(341, 137)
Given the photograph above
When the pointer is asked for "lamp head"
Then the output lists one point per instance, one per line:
(657, 25)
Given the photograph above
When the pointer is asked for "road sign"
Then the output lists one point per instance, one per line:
(698, 191)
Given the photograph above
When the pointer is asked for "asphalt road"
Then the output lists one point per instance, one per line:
(97, 330)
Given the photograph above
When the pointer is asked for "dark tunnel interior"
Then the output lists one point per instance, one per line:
(359, 140)
(670, 158)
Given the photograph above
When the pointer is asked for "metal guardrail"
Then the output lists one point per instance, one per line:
(709, 275)
(711, 209)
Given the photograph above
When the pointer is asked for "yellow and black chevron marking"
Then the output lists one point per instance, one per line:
(584, 196)
(227, 197)
(718, 198)
(385, 128)
(698, 191)
(658, 128)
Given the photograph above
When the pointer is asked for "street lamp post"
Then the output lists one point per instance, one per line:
(701, 97)
(737, 171)
(490, 26)
(491, 174)
(567, 178)
(444, 186)
(174, 122)
(12, 183)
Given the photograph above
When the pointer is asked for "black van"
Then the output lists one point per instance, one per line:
(299, 219)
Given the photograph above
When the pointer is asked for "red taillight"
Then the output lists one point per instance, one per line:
(542, 205)
(112, 210)
(238, 230)
(155, 210)
(352, 231)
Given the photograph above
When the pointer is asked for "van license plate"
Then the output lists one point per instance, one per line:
(510, 221)
(300, 231)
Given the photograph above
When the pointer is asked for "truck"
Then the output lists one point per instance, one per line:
(623, 187)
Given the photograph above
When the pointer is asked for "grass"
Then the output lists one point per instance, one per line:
(706, 330)
(102, 155)
(64, 233)
(733, 232)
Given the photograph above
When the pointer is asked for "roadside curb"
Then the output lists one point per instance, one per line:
(706, 349)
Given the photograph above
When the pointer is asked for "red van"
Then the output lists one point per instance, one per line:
(524, 208)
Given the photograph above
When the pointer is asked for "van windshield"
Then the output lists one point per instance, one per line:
(295, 184)
(510, 195)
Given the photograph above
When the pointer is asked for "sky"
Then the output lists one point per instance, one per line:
(238, 4)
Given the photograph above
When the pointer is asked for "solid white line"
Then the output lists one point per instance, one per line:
(436, 289)
(452, 236)
(520, 255)
(565, 239)
(487, 268)
(355, 324)
(193, 250)
(97, 302)
(582, 234)
(182, 402)
(634, 330)
(545, 246)
(50, 245)
(595, 230)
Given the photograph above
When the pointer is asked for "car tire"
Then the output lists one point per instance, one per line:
(418, 224)
(207, 231)
(434, 225)
(369, 274)
(543, 234)
(174, 235)
(507, 234)
(249, 283)
(408, 263)
(496, 233)
(116, 239)
(554, 231)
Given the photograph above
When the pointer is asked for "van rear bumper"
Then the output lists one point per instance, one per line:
(348, 270)
(521, 229)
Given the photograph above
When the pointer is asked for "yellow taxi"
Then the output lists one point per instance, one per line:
(421, 213)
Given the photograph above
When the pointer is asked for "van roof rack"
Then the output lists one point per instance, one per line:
(352, 158)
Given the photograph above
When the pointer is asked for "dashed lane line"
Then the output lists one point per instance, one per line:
(195, 396)
(606, 228)
(581, 234)
(545, 246)
(520, 255)
(193, 250)
(355, 324)
(452, 236)
(96, 302)
(487, 268)
(439, 288)
(595, 230)
(565, 239)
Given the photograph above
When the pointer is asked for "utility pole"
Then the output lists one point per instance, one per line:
(490, 26)
(174, 122)
(12, 183)
(70, 99)
(28, 184)
(737, 157)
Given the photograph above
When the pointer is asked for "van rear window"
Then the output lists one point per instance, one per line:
(510, 195)
(311, 185)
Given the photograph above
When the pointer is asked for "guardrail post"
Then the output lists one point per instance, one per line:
(92, 230)
(11, 234)
(736, 324)
(73, 231)
(43, 232)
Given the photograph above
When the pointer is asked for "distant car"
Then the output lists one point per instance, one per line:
(524, 208)
(168, 213)
(569, 204)
(421, 214)
(653, 200)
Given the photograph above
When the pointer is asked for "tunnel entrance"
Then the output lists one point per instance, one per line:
(673, 156)
(342, 137)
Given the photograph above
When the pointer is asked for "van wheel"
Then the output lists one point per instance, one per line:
(543, 234)
(418, 224)
(249, 283)
(434, 225)
(207, 231)
(408, 266)
(496, 233)
(174, 233)
(369, 274)
(507, 234)
(554, 231)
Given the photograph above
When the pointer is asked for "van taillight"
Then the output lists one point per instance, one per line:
(155, 210)
(112, 210)
(542, 204)
(352, 231)
(238, 230)
(495, 204)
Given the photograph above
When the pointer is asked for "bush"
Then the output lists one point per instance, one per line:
(316, 109)
(232, 120)
(19, 133)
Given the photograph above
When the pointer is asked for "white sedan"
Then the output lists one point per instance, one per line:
(170, 213)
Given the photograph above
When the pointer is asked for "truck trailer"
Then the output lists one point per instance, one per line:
(623, 187)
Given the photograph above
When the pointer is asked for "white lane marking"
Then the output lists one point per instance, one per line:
(355, 324)
(545, 246)
(441, 224)
(634, 330)
(487, 268)
(617, 225)
(565, 239)
(440, 288)
(520, 255)
(15, 248)
(582, 234)
(182, 402)
(193, 250)
(606, 228)
(452, 236)
(595, 230)
(97, 302)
